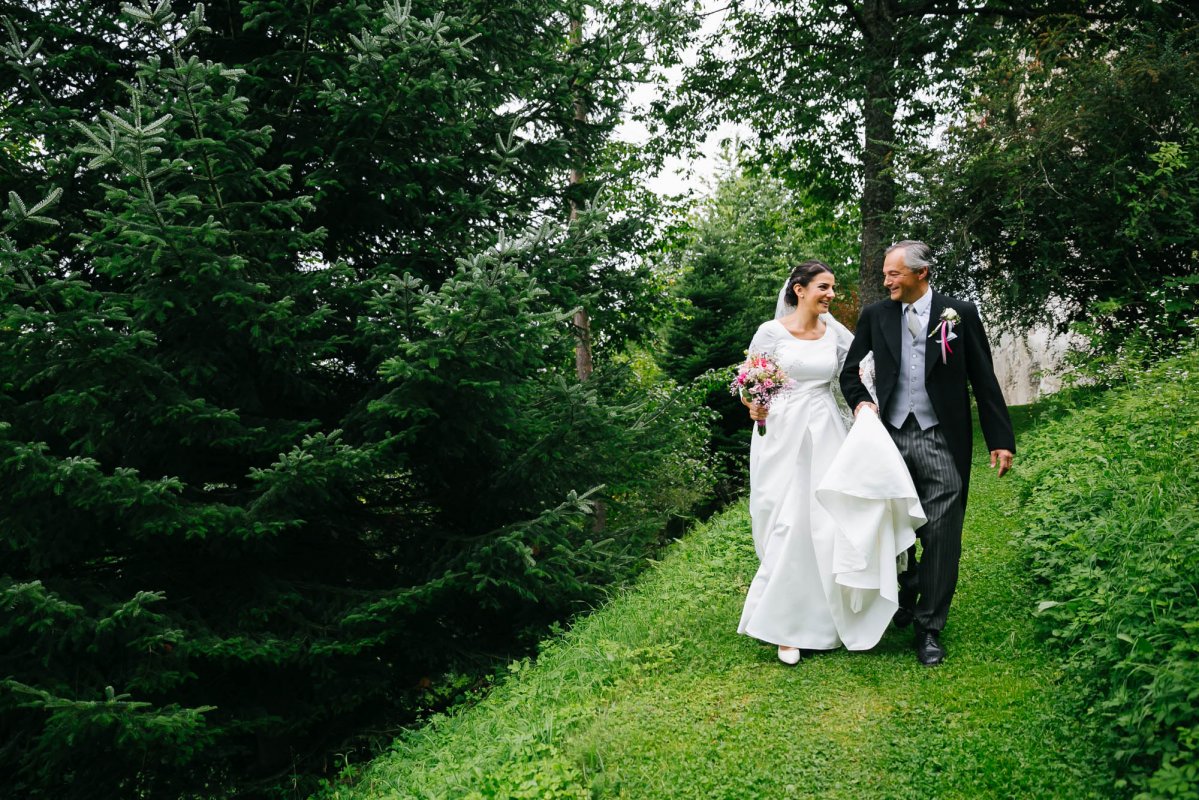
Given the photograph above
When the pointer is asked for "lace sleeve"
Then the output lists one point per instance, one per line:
(844, 339)
(866, 371)
(865, 368)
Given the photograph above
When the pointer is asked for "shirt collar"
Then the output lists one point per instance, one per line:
(921, 305)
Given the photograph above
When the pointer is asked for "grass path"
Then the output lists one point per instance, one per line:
(656, 696)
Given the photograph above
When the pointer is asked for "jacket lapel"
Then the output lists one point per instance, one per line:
(932, 352)
(891, 320)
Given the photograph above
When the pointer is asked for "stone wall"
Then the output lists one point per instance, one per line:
(1030, 365)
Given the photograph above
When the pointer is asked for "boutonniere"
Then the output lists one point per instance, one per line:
(949, 318)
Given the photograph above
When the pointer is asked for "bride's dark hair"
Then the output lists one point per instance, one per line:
(802, 276)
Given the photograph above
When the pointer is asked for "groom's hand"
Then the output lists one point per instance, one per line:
(865, 404)
(1004, 458)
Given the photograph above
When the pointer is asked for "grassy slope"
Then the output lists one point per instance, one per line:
(656, 696)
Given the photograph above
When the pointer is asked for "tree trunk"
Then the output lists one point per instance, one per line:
(582, 322)
(583, 363)
(878, 113)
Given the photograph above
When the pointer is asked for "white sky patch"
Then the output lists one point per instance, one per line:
(687, 174)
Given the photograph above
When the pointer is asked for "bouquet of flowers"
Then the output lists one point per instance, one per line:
(760, 380)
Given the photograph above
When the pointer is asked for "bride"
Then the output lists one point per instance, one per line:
(828, 520)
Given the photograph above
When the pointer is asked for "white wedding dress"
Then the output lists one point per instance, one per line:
(830, 514)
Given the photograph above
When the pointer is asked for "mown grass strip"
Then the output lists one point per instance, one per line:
(656, 696)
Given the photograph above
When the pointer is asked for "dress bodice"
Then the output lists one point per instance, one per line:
(812, 363)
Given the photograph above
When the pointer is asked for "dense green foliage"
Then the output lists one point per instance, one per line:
(291, 429)
(1111, 532)
(743, 242)
(1068, 189)
(656, 696)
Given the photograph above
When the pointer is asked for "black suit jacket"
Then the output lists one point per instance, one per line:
(878, 331)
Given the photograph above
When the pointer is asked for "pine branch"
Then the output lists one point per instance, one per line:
(23, 59)
(185, 69)
(295, 94)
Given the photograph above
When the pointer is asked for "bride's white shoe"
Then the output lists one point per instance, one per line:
(789, 655)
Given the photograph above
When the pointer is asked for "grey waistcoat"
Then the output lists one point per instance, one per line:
(910, 396)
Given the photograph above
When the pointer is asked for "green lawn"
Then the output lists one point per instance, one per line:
(656, 696)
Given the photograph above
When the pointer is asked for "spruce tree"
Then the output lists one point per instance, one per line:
(259, 497)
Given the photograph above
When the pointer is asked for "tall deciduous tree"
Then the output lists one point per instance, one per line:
(835, 89)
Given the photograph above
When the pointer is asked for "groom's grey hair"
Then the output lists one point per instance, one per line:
(915, 254)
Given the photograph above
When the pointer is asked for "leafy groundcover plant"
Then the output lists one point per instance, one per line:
(1111, 531)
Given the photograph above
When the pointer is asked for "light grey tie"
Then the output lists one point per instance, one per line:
(913, 321)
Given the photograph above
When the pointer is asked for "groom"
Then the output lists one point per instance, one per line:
(921, 385)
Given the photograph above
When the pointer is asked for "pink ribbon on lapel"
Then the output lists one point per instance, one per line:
(946, 350)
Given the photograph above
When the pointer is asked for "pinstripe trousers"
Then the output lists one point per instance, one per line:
(928, 589)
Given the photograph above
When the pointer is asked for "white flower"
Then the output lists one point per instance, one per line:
(951, 316)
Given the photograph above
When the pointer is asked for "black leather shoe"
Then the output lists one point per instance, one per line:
(928, 647)
(903, 617)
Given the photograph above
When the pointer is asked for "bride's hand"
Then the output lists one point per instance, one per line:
(757, 412)
(862, 405)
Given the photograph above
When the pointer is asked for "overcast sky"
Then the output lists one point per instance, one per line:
(678, 175)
